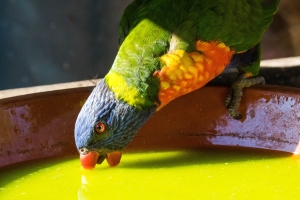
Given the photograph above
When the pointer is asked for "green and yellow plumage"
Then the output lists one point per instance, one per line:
(169, 48)
(147, 27)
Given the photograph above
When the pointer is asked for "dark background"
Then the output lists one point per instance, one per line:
(54, 41)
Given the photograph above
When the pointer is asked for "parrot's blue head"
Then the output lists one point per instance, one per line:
(105, 124)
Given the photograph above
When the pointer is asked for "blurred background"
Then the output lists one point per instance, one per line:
(55, 41)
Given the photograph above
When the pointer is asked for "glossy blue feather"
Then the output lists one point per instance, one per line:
(122, 121)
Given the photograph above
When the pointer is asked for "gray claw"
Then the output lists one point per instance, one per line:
(236, 91)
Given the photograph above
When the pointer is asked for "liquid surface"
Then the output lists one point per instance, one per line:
(208, 173)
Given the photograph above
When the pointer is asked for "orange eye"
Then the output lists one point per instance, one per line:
(99, 127)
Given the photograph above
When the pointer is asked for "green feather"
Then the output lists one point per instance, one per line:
(151, 28)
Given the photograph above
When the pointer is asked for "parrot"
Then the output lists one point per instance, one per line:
(169, 48)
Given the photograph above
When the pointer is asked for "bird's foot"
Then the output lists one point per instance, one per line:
(235, 94)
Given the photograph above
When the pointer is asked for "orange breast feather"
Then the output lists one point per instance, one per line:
(184, 72)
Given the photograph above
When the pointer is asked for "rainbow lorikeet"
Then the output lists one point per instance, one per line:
(169, 48)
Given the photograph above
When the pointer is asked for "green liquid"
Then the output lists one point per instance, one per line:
(208, 173)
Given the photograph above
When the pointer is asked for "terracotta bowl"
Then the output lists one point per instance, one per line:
(41, 124)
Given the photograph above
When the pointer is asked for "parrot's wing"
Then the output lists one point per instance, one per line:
(239, 24)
